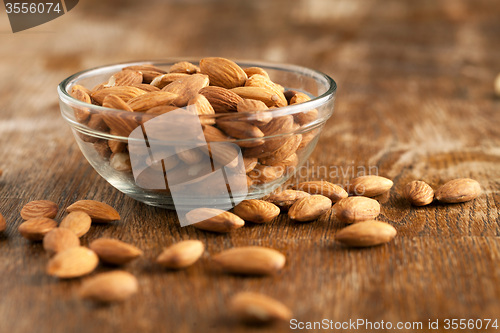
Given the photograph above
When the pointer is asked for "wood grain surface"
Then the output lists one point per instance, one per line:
(415, 101)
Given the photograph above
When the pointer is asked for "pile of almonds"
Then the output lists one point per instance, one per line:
(308, 201)
(270, 144)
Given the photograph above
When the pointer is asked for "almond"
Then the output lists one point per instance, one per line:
(125, 93)
(257, 308)
(98, 211)
(102, 148)
(163, 80)
(213, 134)
(184, 67)
(257, 211)
(250, 260)
(329, 190)
(418, 193)
(3, 223)
(356, 209)
(122, 123)
(262, 174)
(115, 286)
(36, 228)
(186, 88)
(189, 156)
(73, 262)
(215, 220)
(39, 208)
(59, 239)
(458, 190)
(120, 162)
(269, 97)
(286, 150)
(225, 153)
(203, 109)
(221, 99)
(285, 199)
(223, 72)
(368, 233)
(239, 129)
(82, 94)
(261, 116)
(145, 87)
(309, 208)
(370, 186)
(262, 81)
(250, 163)
(115, 102)
(181, 254)
(147, 101)
(96, 122)
(116, 146)
(125, 77)
(255, 70)
(114, 251)
(78, 222)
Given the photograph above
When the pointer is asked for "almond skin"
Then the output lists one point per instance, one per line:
(98, 211)
(115, 286)
(39, 208)
(59, 239)
(364, 234)
(256, 308)
(223, 72)
(418, 193)
(73, 262)
(149, 100)
(184, 67)
(186, 88)
(125, 93)
(181, 254)
(221, 221)
(329, 190)
(114, 251)
(309, 208)
(250, 260)
(221, 99)
(370, 186)
(458, 190)
(356, 209)
(36, 228)
(257, 211)
(78, 222)
(286, 198)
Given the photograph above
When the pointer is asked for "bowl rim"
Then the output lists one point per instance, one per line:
(315, 102)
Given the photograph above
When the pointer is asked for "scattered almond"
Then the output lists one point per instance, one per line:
(114, 251)
(309, 208)
(356, 209)
(370, 186)
(251, 307)
(418, 193)
(73, 262)
(115, 286)
(250, 260)
(327, 189)
(367, 233)
(36, 228)
(458, 190)
(285, 199)
(98, 211)
(181, 254)
(78, 222)
(214, 220)
(59, 239)
(39, 208)
(257, 211)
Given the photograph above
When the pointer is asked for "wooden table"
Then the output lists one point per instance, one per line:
(415, 100)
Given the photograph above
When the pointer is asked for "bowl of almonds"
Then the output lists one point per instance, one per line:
(179, 132)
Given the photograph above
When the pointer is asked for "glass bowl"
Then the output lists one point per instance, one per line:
(182, 160)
